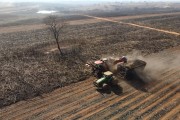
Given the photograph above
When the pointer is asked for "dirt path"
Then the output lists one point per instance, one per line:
(82, 101)
(88, 21)
(136, 25)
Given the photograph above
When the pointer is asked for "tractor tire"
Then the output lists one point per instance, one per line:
(105, 86)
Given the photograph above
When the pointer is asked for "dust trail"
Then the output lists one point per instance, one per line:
(156, 64)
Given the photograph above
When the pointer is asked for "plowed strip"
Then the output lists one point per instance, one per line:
(147, 101)
(35, 101)
(171, 102)
(65, 108)
(122, 109)
(79, 107)
(45, 103)
(56, 103)
(55, 116)
(95, 106)
(151, 108)
(109, 104)
(175, 110)
(168, 74)
(61, 110)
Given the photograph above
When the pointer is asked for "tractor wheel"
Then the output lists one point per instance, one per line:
(105, 86)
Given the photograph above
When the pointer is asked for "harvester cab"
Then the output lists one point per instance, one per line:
(98, 68)
(105, 81)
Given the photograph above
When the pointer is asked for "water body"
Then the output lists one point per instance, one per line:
(46, 12)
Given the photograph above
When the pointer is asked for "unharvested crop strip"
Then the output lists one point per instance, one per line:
(43, 103)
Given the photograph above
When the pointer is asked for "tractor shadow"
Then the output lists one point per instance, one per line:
(139, 81)
(116, 89)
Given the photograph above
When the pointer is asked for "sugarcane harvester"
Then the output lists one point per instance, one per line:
(98, 67)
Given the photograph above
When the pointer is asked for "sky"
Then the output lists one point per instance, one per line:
(94, 1)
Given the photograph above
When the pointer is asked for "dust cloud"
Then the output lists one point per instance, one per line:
(156, 63)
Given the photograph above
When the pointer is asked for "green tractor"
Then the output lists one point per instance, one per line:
(105, 81)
